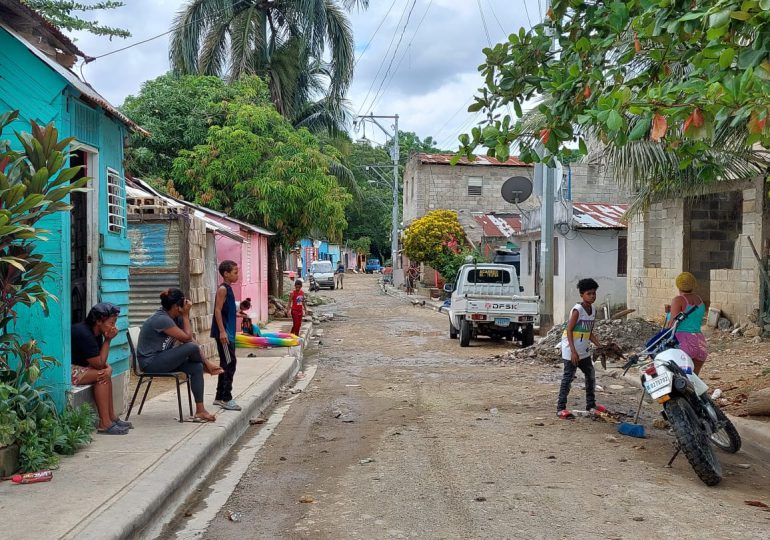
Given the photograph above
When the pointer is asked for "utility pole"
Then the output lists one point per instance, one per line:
(394, 155)
(546, 235)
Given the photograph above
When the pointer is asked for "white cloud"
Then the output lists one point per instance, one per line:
(433, 74)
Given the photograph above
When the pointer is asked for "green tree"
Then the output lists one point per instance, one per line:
(303, 47)
(64, 14)
(674, 93)
(258, 168)
(178, 112)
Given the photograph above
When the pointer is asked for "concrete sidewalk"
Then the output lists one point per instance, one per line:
(121, 485)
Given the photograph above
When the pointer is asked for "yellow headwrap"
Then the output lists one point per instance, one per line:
(686, 282)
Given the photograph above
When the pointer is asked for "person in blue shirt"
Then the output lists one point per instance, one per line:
(223, 330)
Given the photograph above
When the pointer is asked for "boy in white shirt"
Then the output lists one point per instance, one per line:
(576, 348)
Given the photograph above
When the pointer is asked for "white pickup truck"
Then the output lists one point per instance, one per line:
(486, 301)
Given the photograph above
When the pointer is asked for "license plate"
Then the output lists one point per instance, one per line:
(662, 380)
(502, 322)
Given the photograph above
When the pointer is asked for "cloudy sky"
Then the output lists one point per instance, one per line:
(429, 83)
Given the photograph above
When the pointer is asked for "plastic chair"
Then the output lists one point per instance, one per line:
(145, 377)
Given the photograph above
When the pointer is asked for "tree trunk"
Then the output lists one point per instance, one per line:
(273, 273)
(759, 402)
(281, 266)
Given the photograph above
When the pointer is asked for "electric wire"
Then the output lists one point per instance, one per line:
(393, 57)
(366, 48)
(384, 59)
(494, 13)
(406, 52)
(174, 28)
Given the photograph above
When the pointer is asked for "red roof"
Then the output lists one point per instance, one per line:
(444, 159)
(498, 225)
(599, 215)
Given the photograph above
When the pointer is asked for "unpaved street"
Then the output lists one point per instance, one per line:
(462, 448)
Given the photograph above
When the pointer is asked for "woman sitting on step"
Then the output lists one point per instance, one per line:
(90, 349)
(166, 345)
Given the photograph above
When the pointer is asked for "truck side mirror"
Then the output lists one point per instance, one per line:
(449, 288)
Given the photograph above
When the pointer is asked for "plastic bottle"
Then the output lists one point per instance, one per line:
(32, 478)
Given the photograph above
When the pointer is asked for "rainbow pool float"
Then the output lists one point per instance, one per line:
(266, 339)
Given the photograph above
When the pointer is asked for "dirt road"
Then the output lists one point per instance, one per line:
(403, 434)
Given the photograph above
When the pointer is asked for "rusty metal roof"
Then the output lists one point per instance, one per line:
(41, 24)
(444, 159)
(498, 225)
(598, 215)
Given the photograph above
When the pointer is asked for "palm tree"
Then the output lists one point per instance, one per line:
(303, 47)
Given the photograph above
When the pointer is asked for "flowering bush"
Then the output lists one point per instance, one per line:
(435, 239)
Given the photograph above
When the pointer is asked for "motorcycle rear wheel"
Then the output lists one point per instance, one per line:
(727, 438)
(693, 440)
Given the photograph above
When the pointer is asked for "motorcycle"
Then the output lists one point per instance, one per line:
(313, 286)
(697, 422)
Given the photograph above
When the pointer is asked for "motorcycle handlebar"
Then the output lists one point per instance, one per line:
(632, 361)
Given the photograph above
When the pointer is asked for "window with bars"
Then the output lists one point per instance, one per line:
(116, 202)
(622, 256)
(474, 186)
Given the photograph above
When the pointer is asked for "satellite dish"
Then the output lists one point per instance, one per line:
(516, 189)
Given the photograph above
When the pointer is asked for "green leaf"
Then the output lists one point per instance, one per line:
(740, 15)
(614, 121)
(764, 4)
(719, 19)
(640, 130)
(749, 58)
(726, 58)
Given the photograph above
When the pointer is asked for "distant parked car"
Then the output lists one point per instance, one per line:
(321, 275)
(373, 265)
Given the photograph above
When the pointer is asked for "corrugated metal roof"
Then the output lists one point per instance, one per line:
(598, 215)
(444, 159)
(87, 93)
(22, 10)
(498, 225)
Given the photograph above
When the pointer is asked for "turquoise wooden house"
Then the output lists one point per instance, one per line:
(88, 246)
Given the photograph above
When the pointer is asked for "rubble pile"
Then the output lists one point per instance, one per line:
(629, 335)
(277, 309)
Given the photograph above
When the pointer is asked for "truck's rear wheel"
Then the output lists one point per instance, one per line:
(693, 441)
(465, 333)
(452, 331)
(528, 336)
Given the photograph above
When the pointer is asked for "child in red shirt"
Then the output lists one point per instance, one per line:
(298, 309)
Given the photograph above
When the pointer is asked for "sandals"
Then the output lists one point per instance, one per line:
(565, 414)
(123, 423)
(114, 429)
(203, 418)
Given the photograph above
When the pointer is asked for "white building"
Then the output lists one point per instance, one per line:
(590, 241)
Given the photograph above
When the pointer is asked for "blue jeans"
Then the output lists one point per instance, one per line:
(587, 367)
(186, 358)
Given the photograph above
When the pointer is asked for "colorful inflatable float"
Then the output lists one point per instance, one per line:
(261, 340)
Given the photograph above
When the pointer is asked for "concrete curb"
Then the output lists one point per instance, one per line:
(401, 296)
(164, 487)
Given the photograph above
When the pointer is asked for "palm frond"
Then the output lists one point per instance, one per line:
(248, 43)
(345, 178)
(340, 38)
(213, 56)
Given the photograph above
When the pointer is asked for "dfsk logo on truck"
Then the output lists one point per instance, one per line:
(490, 305)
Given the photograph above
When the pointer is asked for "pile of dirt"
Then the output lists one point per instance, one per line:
(277, 309)
(629, 335)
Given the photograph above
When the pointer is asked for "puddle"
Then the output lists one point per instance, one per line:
(420, 333)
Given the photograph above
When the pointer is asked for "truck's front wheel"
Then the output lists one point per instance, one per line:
(528, 336)
(465, 333)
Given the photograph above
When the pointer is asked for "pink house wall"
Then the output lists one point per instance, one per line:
(251, 257)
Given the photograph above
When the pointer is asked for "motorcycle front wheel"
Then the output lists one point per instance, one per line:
(693, 440)
(726, 437)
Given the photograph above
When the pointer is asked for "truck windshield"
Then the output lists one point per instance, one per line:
(321, 267)
(489, 275)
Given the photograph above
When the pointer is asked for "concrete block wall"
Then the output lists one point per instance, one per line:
(200, 292)
(430, 187)
(733, 290)
(592, 184)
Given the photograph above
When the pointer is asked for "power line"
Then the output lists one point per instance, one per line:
(382, 62)
(492, 7)
(526, 11)
(406, 52)
(395, 51)
(375, 33)
(484, 22)
(446, 122)
(167, 32)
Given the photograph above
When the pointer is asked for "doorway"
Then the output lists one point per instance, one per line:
(82, 231)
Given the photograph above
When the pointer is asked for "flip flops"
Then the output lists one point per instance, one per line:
(114, 429)
(203, 419)
(124, 424)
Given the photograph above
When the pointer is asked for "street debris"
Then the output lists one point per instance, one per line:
(480, 499)
(743, 465)
(307, 499)
(233, 516)
(611, 438)
(758, 504)
(366, 460)
(257, 420)
(660, 423)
